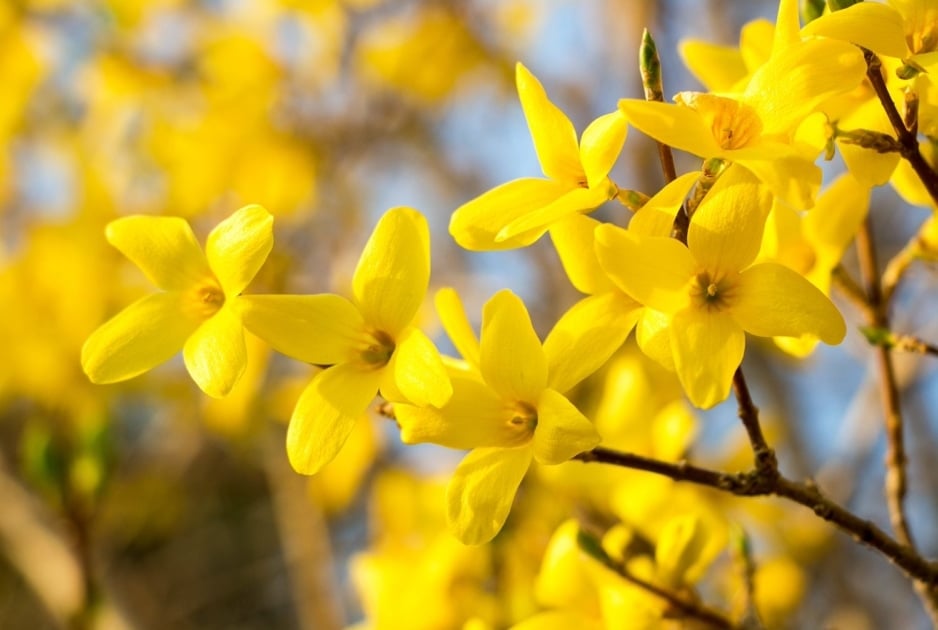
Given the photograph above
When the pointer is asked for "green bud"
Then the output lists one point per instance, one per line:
(811, 10)
(837, 5)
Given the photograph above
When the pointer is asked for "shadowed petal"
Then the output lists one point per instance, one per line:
(707, 347)
(511, 357)
(164, 248)
(562, 430)
(215, 354)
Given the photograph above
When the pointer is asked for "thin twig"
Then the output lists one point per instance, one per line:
(842, 279)
(650, 66)
(756, 483)
(686, 607)
(749, 414)
(893, 341)
(907, 138)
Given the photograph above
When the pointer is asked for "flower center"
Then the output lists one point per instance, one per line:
(711, 292)
(204, 300)
(378, 350)
(733, 124)
(522, 421)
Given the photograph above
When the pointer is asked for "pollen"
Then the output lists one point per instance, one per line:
(734, 124)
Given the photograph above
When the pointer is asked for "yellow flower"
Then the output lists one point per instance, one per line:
(370, 342)
(710, 293)
(195, 311)
(511, 413)
(757, 127)
(904, 29)
(517, 213)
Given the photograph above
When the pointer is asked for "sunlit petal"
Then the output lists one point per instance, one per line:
(319, 329)
(600, 146)
(512, 360)
(776, 301)
(327, 410)
(586, 336)
(793, 179)
(552, 132)
(392, 275)
(653, 335)
(726, 229)
(707, 347)
(476, 224)
(573, 240)
(238, 246)
(143, 335)
(675, 125)
(656, 217)
(164, 248)
(452, 314)
(483, 487)
(562, 430)
(539, 220)
(653, 270)
(418, 370)
(216, 354)
(872, 25)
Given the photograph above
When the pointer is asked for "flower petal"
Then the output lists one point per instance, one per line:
(656, 217)
(143, 335)
(325, 414)
(600, 146)
(238, 246)
(512, 360)
(483, 487)
(562, 430)
(675, 125)
(653, 335)
(586, 336)
(707, 347)
(452, 314)
(791, 85)
(418, 370)
(726, 230)
(793, 179)
(319, 329)
(392, 275)
(476, 224)
(872, 25)
(164, 248)
(774, 301)
(834, 221)
(552, 132)
(539, 220)
(474, 417)
(653, 270)
(216, 354)
(719, 68)
(573, 240)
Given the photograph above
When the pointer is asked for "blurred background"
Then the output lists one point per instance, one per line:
(147, 505)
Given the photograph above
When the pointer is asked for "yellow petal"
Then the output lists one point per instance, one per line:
(474, 417)
(726, 231)
(792, 85)
(164, 248)
(834, 221)
(675, 125)
(483, 487)
(539, 220)
(238, 246)
(773, 301)
(653, 335)
(393, 272)
(143, 335)
(573, 239)
(418, 370)
(872, 25)
(653, 270)
(216, 354)
(787, 26)
(452, 314)
(707, 347)
(512, 360)
(324, 415)
(600, 146)
(552, 132)
(719, 68)
(679, 547)
(562, 430)
(586, 336)
(793, 179)
(560, 620)
(656, 217)
(476, 224)
(319, 329)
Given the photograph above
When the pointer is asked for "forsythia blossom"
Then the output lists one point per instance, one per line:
(195, 311)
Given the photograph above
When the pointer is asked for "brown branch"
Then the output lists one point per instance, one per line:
(906, 136)
(807, 494)
(893, 341)
(688, 608)
(749, 414)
